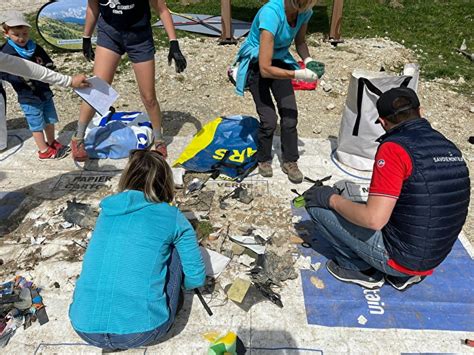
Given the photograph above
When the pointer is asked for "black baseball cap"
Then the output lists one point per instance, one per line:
(385, 102)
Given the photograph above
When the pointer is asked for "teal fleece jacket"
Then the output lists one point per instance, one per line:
(121, 288)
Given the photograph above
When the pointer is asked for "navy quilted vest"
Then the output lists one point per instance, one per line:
(433, 203)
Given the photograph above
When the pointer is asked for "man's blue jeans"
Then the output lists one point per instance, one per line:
(357, 248)
(135, 340)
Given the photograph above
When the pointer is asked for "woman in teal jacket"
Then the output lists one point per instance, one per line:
(266, 67)
(127, 293)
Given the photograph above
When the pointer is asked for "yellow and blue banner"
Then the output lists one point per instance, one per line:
(227, 144)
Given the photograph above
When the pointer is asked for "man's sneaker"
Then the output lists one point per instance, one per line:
(370, 279)
(291, 169)
(52, 153)
(403, 283)
(265, 168)
(160, 147)
(78, 150)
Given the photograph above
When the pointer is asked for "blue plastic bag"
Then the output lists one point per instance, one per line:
(114, 135)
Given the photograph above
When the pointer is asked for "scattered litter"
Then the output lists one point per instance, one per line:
(273, 268)
(267, 292)
(195, 185)
(240, 194)
(226, 344)
(243, 195)
(37, 240)
(296, 219)
(330, 107)
(178, 174)
(20, 304)
(246, 260)
(249, 242)
(317, 282)
(362, 320)
(296, 240)
(316, 266)
(326, 86)
(66, 225)
(238, 290)
(203, 302)
(303, 263)
(215, 262)
(80, 214)
(265, 234)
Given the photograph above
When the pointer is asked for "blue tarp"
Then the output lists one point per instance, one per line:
(443, 301)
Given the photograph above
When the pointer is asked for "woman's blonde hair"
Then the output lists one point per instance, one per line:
(149, 172)
(302, 5)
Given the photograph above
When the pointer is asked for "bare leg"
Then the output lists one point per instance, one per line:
(105, 65)
(49, 132)
(40, 141)
(145, 75)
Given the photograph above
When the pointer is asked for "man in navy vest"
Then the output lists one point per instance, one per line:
(417, 205)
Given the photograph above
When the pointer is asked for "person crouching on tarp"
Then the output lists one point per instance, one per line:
(141, 252)
(267, 67)
(418, 202)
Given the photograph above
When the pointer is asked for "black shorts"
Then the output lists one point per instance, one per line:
(136, 42)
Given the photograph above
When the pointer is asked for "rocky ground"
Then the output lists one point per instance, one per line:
(50, 249)
(203, 92)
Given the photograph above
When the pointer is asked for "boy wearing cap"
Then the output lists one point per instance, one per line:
(417, 205)
(35, 97)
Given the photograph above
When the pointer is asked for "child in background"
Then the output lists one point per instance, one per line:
(35, 97)
(128, 293)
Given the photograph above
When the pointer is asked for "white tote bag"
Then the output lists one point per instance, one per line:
(356, 146)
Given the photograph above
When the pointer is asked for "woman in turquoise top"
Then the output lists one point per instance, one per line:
(266, 67)
(128, 291)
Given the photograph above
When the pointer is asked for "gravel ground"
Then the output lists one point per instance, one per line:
(203, 92)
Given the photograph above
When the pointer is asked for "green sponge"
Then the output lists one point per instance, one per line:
(316, 67)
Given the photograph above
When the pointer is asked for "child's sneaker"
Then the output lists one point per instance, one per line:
(59, 147)
(52, 153)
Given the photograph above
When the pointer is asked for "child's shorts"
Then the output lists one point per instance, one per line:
(137, 43)
(38, 115)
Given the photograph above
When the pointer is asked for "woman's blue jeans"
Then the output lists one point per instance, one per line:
(127, 341)
(357, 248)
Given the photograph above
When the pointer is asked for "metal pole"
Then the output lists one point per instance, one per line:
(226, 20)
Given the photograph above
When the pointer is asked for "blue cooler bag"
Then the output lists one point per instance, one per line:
(114, 135)
(226, 145)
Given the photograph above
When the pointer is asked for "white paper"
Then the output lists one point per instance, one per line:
(249, 242)
(178, 174)
(215, 262)
(100, 95)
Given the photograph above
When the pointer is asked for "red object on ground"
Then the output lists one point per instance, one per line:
(303, 85)
(469, 342)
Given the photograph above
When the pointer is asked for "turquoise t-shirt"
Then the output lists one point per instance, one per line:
(272, 18)
(121, 289)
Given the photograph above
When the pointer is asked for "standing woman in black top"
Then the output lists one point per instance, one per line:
(123, 26)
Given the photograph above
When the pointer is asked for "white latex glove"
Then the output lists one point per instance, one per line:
(306, 75)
